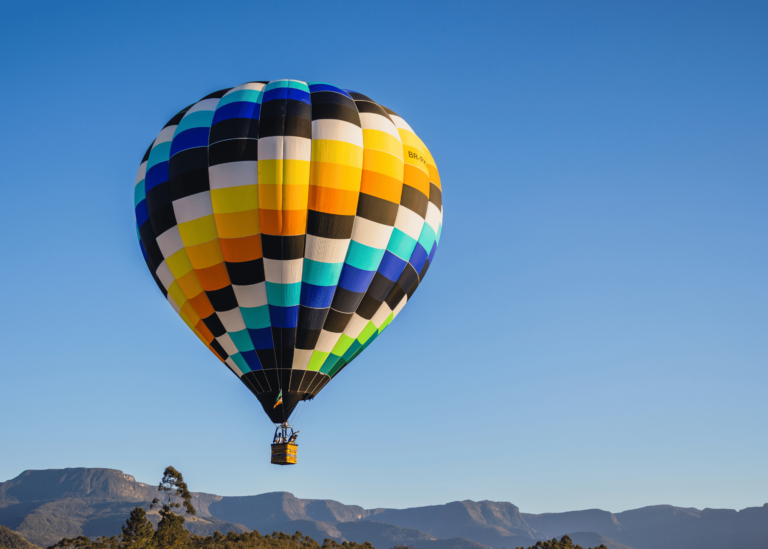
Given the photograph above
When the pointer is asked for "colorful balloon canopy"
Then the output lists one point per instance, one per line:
(287, 223)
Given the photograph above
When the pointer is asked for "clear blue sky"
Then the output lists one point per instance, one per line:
(593, 333)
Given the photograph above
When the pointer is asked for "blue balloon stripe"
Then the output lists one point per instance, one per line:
(190, 139)
(241, 109)
(142, 215)
(252, 359)
(156, 175)
(317, 297)
(432, 252)
(354, 279)
(391, 266)
(418, 257)
(284, 317)
(261, 338)
(299, 95)
(275, 94)
(287, 93)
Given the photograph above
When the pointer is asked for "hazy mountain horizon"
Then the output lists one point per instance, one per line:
(47, 505)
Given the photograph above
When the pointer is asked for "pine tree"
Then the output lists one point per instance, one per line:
(138, 532)
(171, 533)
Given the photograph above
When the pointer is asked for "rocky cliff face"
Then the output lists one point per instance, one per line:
(45, 506)
(590, 520)
(52, 484)
(488, 522)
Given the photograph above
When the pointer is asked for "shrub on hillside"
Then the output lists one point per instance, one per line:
(565, 543)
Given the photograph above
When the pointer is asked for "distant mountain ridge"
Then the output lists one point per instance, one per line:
(45, 506)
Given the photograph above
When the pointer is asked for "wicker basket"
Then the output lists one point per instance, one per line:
(284, 454)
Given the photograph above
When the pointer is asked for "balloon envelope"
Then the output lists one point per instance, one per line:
(287, 223)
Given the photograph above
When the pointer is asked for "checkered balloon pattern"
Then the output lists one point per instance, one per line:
(287, 223)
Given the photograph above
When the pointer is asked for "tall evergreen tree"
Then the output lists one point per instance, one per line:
(170, 531)
(138, 532)
(177, 494)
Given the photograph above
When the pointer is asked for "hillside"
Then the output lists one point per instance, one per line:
(13, 540)
(46, 506)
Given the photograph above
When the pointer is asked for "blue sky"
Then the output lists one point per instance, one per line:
(593, 330)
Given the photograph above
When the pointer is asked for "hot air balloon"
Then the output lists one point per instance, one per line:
(287, 223)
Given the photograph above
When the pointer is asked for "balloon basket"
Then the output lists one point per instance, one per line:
(284, 454)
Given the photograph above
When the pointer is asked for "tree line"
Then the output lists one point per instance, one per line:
(174, 504)
(565, 543)
(247, 540)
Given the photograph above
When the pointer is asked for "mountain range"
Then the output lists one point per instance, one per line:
(45, 506)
